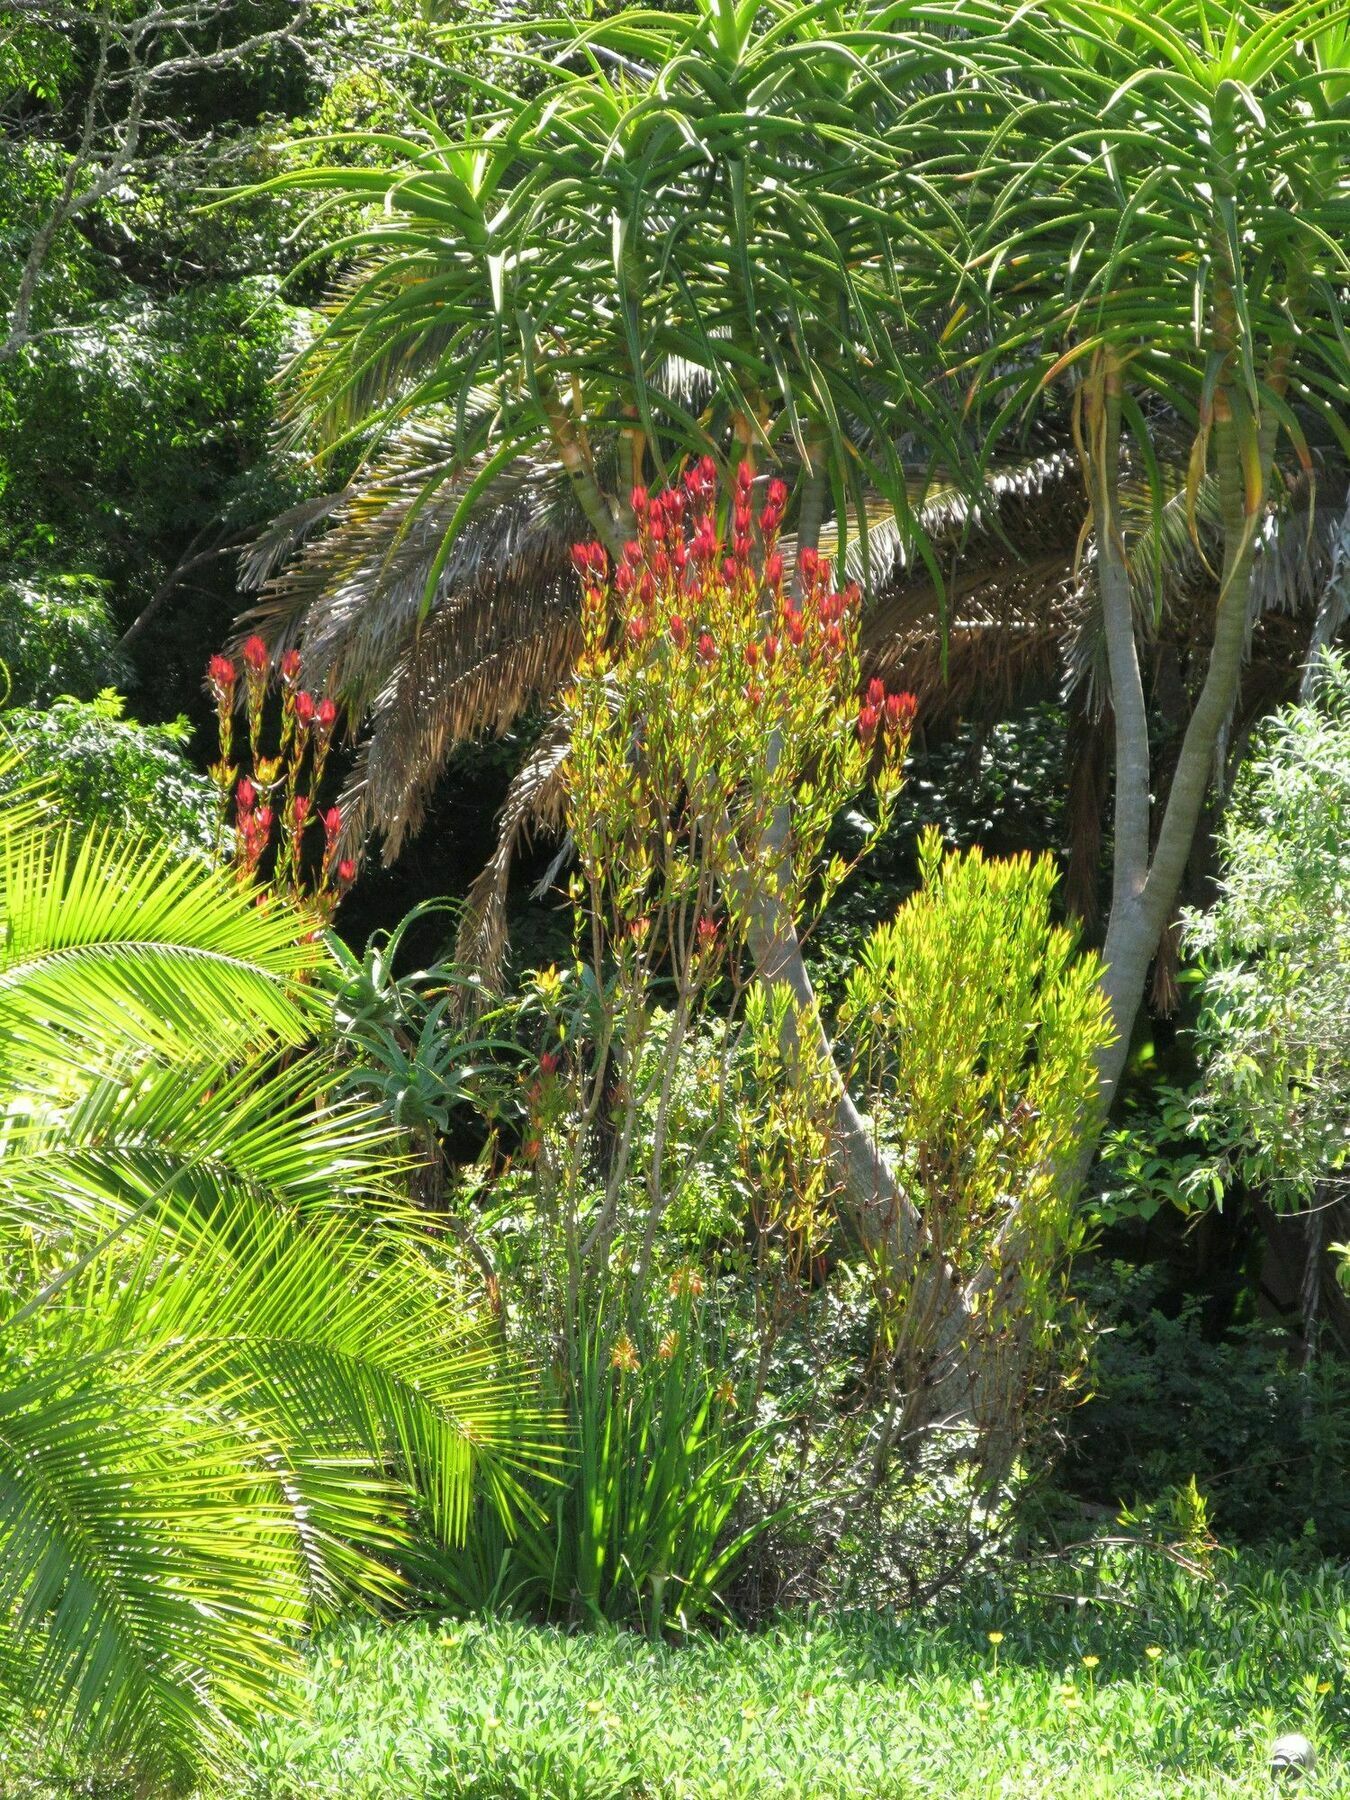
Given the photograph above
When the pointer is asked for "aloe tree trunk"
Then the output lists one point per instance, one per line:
(1145, 886)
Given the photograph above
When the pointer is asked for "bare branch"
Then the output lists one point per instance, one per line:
(137, 58)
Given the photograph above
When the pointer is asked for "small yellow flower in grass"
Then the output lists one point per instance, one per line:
(1091, 1662)
(594, 1707)
(1153, 1652)
(492, 1723)
(982, 1709)
(1324, 1687)
(996, 1638)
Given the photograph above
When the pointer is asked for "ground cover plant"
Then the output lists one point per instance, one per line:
(1114, 1675)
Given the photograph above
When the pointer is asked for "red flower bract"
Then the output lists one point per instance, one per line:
(346, 871)
(222, 674)
(901, 710)
(290, 666)
(326, 715)
(254, 653)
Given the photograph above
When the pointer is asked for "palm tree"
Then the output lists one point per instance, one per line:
(1160, 214)
(230, 1361)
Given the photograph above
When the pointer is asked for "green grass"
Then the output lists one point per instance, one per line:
(864, 1706)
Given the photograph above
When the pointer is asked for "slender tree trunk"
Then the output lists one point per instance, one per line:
(1128, 942)
(939, 1324)
(1142, 908)
(607, 524)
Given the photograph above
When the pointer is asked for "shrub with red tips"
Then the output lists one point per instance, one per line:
(901, 711)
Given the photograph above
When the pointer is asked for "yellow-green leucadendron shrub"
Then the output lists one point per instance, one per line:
(973, 1021)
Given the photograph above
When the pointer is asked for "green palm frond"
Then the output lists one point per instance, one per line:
(110, 942)
(233, 1363)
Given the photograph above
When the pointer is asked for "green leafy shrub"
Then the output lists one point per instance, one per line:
(1275, 1028)
(1267, 1442)
(105, 769)
(647, 1524)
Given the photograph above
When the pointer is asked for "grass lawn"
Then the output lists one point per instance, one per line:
(919, 1705)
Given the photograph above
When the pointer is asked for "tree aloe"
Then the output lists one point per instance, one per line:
(1161, 208)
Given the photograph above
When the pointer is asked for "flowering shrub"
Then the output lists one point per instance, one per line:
(274, 801)
(717, 723)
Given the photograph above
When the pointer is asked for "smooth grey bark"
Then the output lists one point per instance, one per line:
(1144, 888)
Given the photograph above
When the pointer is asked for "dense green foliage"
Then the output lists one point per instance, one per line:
(992, 353)
(1276, 1025)
(101, 768)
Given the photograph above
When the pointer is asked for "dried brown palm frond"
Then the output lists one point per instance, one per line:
(416, 675)
(534, 802)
